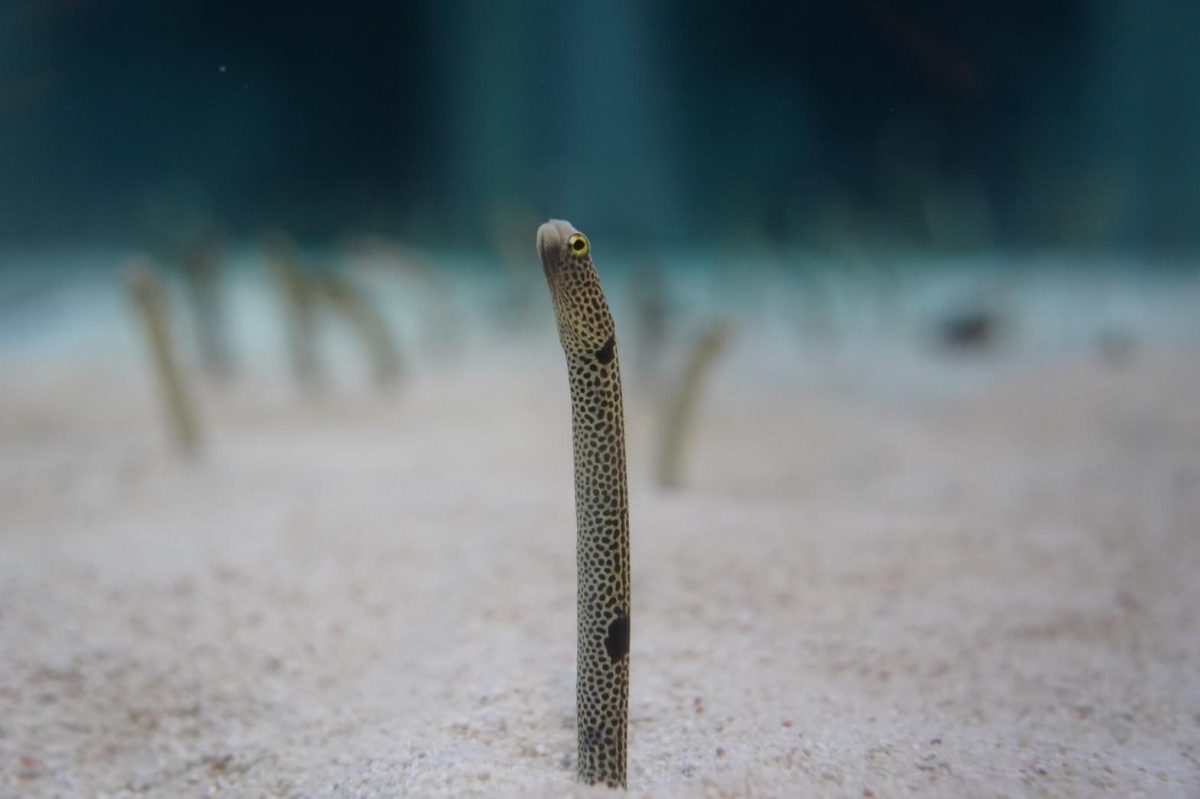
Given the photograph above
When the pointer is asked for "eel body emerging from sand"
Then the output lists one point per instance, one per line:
(151, 301)
(585, 328)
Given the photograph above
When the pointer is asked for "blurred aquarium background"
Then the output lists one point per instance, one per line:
(874, 176)
(928, 125)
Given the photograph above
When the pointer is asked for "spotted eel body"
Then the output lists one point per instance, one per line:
(585, 328)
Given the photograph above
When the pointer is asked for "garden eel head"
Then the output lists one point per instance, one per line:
(585, 325)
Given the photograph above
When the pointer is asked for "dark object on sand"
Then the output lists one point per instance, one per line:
(1116, 347)
(975, 329)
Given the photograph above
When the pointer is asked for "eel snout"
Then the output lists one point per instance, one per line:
(552, 242)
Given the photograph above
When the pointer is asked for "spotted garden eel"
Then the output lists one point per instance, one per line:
(585, 329)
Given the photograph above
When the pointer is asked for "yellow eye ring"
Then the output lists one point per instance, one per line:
(578, 244)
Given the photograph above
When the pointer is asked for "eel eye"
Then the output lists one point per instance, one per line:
(578, 244)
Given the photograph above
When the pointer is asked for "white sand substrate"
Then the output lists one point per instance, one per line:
(984, 592)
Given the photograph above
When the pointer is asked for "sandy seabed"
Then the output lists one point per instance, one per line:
(993, 591)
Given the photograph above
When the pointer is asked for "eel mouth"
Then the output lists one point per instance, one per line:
(551, 244)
